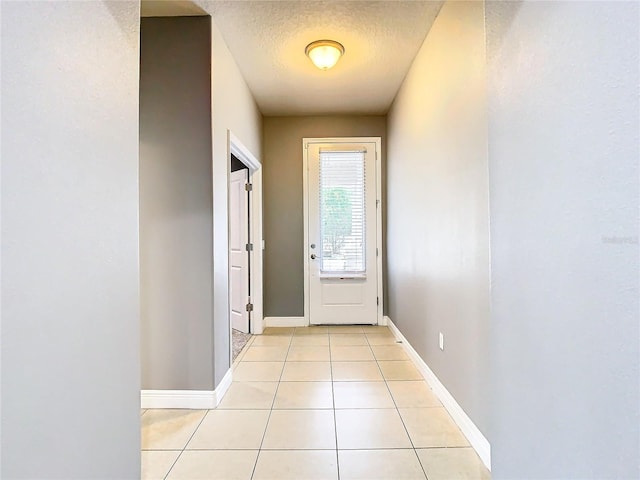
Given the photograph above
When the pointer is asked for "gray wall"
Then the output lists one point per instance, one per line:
(438, 227)
(563, 154)
(70, 322)
(176, 210)
(283, 202)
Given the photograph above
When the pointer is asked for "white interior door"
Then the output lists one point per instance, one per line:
(238, 254)
(342, 233)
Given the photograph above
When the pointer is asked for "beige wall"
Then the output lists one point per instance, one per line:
(438, 227)
(283, 218)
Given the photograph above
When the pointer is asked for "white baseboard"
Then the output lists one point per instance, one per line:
(223, 386)
(284, 322)
(298, 322)
(477, 440)
(187, 399)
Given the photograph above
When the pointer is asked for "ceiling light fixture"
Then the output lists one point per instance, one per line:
(324, 53)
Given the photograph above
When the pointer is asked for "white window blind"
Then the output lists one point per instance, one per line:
(342, 212)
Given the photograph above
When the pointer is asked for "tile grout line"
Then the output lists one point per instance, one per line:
(242, 352)
(264, 434)
(290, 344)
(333, 400)
(413, 447)
(307, 449)
(173, 465)
(187, 443)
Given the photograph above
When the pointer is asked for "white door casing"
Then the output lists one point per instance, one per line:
(343, 270)
(237, 148)
(238, 254)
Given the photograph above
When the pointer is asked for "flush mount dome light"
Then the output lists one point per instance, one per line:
(324, 53)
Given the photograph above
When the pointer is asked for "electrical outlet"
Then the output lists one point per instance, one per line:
(441, 341)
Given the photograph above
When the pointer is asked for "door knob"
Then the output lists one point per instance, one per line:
(313, 256)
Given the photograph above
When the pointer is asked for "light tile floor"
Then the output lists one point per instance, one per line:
(314, 403)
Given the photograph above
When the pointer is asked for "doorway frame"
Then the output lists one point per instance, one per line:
(239, 150)
(305, 199)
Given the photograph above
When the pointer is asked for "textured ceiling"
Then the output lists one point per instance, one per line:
(267, 40)
(169, 8)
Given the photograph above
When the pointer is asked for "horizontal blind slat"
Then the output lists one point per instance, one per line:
(342, 211)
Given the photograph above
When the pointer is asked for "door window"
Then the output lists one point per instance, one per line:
(342, 212)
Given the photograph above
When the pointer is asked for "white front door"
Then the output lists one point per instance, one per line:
(238, 254)
(342, 232)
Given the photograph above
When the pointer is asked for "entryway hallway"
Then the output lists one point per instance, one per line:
(340, 402)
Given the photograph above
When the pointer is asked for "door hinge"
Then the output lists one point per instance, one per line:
(248, 187)
(376, 251)
(249, 307)
(377, 300)
(249, 247)
(377, 203)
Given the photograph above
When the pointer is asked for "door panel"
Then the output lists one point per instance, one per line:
(337, 293)
(342, 233)
(238, 255)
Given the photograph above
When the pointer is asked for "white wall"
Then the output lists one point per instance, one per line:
(176, 213)
(233, 109)
(563, 153)
(70, 341)
(438, 225)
